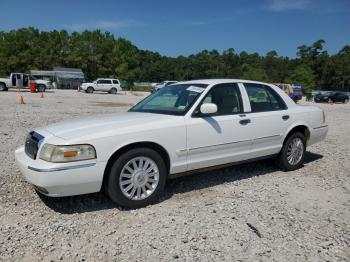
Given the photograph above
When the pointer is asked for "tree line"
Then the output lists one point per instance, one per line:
(100, 54)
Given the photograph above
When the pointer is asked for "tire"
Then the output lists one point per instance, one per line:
(3, 87)
(329, 101)
(284, 159)
(113, 91)
(346, 100)
(123, 187)
(41, 88)
(90, 90)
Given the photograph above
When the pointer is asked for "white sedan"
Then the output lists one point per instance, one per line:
(181, 128)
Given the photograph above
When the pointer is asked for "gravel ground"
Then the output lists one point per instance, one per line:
(243, 213)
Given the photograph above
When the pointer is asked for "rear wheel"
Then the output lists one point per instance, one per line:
(330, 101)
(113, 91)
(41, 88)
(346, 100)
(3, 87)
(137, 178)
(293, 151)
(90, 90)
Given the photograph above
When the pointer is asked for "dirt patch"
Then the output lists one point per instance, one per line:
(110, 104)
(250, 212)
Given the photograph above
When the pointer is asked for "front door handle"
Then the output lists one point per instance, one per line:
(244, 122)
(285, 117)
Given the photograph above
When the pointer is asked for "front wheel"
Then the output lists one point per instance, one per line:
(292, 153)
(346, 100)
(90, 90)
(137, 178)
(3, 87)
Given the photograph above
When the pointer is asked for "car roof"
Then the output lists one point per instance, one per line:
(220, 81)
(106, 79)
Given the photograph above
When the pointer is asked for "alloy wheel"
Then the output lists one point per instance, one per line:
(295, 151)
(139, 178)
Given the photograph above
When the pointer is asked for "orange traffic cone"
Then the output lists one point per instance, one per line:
(42, 95)
(21, 100)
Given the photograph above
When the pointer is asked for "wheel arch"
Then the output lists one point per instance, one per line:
(302, 128)
(145, 144)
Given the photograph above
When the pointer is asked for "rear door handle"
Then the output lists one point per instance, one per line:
(285, 117)
(244, 122)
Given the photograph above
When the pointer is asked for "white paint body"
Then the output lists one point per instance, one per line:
(156, 87)
(9, 84)
(98, 85)
(191, 142)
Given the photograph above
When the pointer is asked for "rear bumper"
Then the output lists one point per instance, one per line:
(317, 134)
(57, 180)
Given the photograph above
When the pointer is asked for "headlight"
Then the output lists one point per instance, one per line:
(61, 154)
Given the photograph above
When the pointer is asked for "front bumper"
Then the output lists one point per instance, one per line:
(61, 179)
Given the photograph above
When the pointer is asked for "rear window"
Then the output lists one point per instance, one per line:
(262, 98)
(104, 81)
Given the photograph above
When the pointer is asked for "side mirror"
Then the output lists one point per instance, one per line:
(208, 109)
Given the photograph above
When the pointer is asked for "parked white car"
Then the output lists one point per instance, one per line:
(109, 85)
(156, 87)
(186, 127)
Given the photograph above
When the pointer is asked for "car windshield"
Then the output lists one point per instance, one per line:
(171, 100)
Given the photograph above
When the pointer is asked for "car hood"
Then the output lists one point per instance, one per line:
(106, 125)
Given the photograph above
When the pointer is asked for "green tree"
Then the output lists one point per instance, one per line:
(257, 74)
(304, 76)
(101, 54)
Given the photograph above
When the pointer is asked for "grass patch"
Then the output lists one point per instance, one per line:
(141, 88)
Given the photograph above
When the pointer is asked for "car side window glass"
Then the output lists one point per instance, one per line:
(262, 98)
(227, 97)
(115, 82)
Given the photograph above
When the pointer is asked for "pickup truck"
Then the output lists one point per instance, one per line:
(109, 85)
(22, 81)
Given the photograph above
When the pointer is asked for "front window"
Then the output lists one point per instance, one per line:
(172, 100)
(227, 97)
